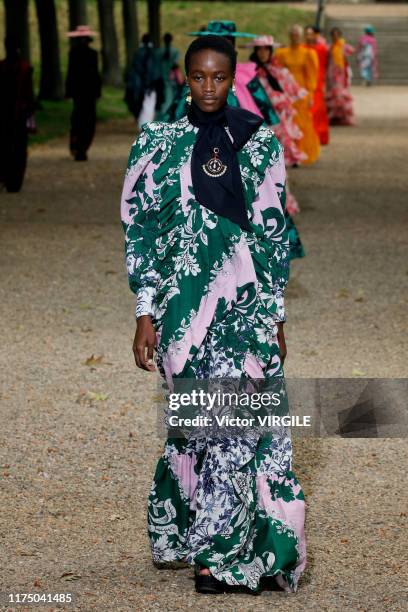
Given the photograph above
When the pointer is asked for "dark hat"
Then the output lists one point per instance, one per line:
(222, 28)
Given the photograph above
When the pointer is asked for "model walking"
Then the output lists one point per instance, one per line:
(314, 40)
(170, 73)
(339, 99)
(83, 85)
(16, 108)
(207, 254)
(144, 85)
(281, 89)
(303, 63)
(367, 56)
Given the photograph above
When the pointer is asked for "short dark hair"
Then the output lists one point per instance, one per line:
(336, 29)
(254, 56)
(315, 29)
(215, 43)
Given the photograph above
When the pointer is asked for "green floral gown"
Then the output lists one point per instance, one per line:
(215, 293)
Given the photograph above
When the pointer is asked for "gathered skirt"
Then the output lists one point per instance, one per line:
(232, 505)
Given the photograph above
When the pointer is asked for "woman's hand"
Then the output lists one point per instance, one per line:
(144, 342)
(282, 342)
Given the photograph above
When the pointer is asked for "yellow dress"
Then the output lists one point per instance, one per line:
(303, 63)
(337, 53)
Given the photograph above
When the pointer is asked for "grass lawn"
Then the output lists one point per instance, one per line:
(53, 118)
(176, 17)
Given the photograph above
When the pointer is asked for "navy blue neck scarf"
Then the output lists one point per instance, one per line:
(223, 193)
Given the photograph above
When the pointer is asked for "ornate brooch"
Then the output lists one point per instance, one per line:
(214, 167)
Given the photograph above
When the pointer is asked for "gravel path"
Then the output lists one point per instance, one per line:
(78, 437)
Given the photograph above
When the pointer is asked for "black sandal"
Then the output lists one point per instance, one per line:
(207, 584)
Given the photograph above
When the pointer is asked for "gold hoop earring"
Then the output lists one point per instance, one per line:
(188, 96)
(234, 88)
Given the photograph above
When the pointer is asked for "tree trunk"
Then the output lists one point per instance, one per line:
(154, 21)
(17, 24)
(131, 27)
(110, 53)
(77, 13)
(51, 80)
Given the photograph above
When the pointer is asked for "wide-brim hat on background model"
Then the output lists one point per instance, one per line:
(222, 28)
(82, 31)
(261, 41)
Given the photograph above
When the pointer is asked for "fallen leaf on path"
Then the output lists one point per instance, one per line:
(70, 576)
(356, 372)
(91, 396)
(93, 360)
(343, 293)
(97, 396)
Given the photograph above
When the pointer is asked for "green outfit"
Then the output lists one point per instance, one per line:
(215, 293)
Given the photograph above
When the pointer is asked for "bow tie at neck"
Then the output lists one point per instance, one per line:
(215, 170)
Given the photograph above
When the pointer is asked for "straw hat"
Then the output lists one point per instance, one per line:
(82, 31)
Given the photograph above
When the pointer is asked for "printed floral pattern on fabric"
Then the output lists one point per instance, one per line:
(287, 131)
(339, 99)
(215, 293)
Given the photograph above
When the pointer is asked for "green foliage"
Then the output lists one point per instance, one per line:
(176, 17)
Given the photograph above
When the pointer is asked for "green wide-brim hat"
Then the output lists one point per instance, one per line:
(222, 28)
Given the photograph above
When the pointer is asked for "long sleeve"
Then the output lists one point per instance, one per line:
(311, 70)
(139, 221)
(277, 234)
(271, 203)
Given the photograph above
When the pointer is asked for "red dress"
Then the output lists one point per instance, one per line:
(319, 109)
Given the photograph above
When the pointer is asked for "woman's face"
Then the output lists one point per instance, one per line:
(209, 78)
(295, 36)
(335, 35)
(263, 54)
(310, 36)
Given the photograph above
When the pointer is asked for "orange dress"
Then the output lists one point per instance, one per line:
(303, 63)
(319, 109)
